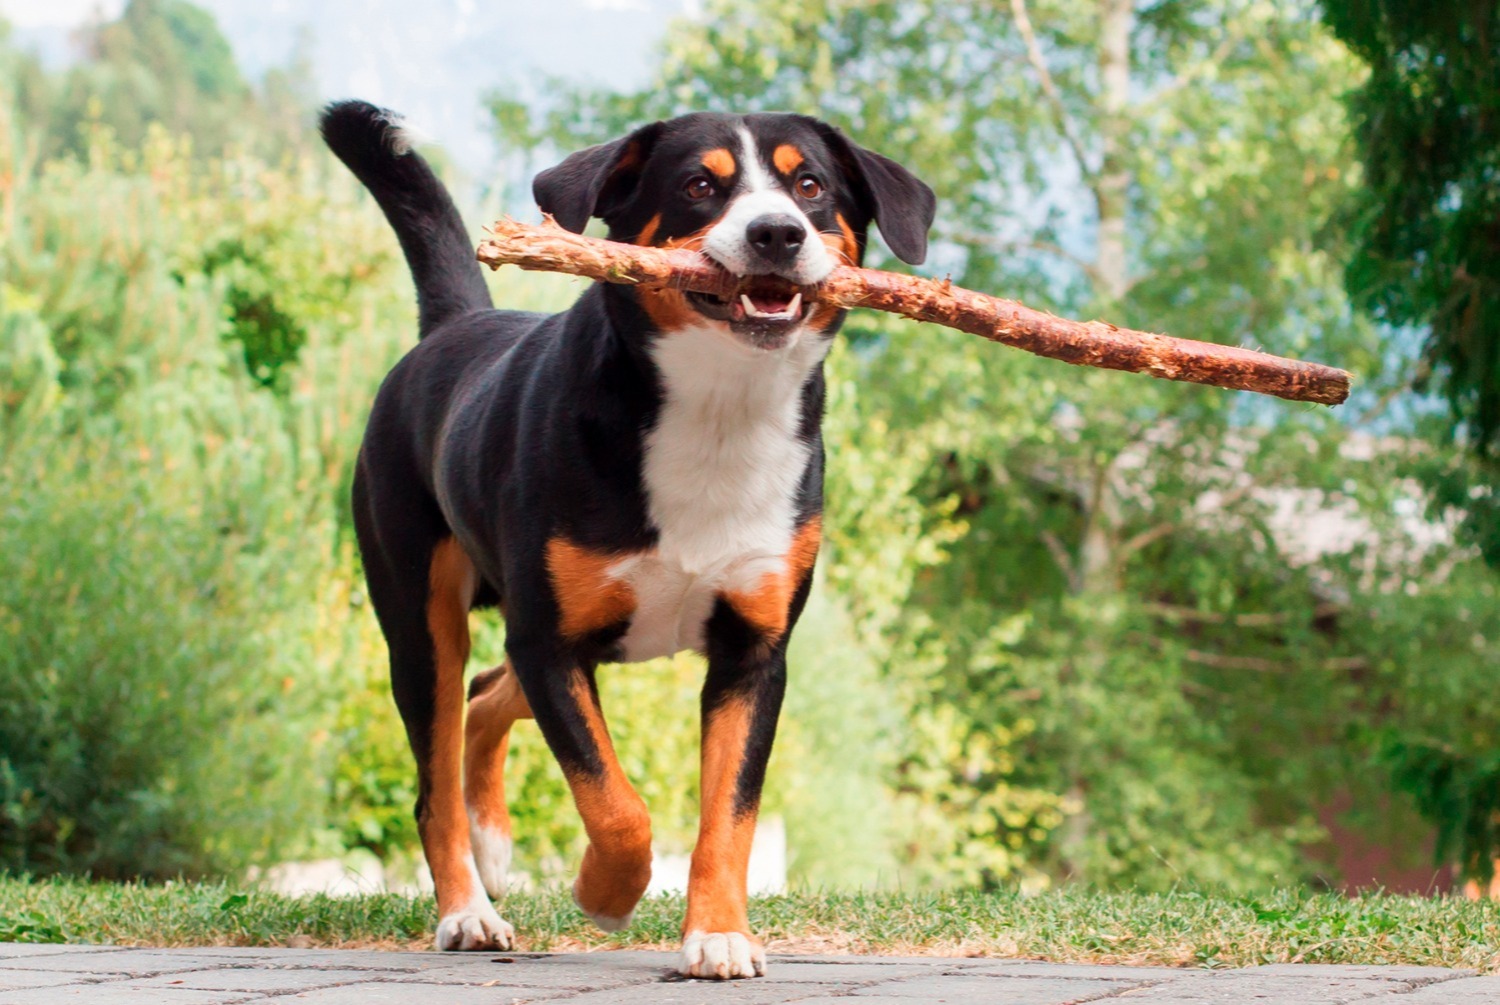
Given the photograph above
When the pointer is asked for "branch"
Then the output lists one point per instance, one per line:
(1225, 46)
(1059, 553)
(1254, 619)
(1055, 547)
(1259, 665)
(1148, 536)
(1046, 247)
(1166, 527)
(550, 248)
(1064, 121)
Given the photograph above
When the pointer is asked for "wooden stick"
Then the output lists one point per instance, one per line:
(550, 248)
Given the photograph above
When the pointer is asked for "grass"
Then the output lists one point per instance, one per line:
(1172, 929)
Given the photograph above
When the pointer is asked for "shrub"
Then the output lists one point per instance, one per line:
(143, 730)
(175, 580)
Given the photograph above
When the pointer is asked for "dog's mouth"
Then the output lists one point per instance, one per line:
(764, 307)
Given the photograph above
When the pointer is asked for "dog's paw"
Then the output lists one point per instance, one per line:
(476, 927)
(492, 849)
(721, 956)
(606, 922)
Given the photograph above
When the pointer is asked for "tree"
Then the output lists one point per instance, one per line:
(162, 61)
(1426, 222)
(1426, 230)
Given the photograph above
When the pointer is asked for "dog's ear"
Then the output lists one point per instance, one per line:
(595, 181)
(902, 205)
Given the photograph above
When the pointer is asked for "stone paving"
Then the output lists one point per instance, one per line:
(104, 975)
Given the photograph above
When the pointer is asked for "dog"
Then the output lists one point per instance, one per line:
(636, 476)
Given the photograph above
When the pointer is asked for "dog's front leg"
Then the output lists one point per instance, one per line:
(741, 701)
(617, 863)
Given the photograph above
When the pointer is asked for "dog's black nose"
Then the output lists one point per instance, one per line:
(776, 238)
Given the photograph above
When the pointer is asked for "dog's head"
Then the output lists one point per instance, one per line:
(778, 200)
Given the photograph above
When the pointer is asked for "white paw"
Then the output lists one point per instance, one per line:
(721, 955)
(492, 848)
(475, 927)
(606, 922)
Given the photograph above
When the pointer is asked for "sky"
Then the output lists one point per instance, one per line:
(432, 60)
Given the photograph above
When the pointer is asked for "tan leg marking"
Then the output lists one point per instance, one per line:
(444, 826)
(716, 882)
(617, 863)
(495, 703)
(587, 598)
(445, 834)
(716, 939)
(767, 606)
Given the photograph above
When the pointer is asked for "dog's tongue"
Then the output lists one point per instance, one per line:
(770, 303)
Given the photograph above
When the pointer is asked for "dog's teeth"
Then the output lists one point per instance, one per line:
(791, 310)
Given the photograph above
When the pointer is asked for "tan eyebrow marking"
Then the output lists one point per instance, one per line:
(787, 158)
(720, 162)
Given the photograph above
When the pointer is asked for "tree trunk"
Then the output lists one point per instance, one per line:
(1112, 186)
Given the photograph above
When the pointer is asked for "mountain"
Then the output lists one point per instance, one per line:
(432, 60)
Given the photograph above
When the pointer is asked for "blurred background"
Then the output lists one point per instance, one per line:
(1070, 627)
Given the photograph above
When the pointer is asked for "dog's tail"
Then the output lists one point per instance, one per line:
(372, 143)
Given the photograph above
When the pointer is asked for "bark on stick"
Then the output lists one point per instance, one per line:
(549, 248)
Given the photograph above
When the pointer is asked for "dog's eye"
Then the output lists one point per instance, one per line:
(698, 188)
(809, 187)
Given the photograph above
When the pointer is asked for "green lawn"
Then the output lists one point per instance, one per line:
(1176, 929)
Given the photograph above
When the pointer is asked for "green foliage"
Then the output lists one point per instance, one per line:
(175, 576)
(162, 61)
(1435, 653)
(33, 926)
(1427, 122)
(134, 742)
(269, 337)
(1462, 794)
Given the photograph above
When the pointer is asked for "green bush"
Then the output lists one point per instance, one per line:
(143, 731)
(177, 623)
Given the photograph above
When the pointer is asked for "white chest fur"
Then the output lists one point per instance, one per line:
(721, 472)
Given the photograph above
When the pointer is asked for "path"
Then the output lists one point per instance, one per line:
(56, 975)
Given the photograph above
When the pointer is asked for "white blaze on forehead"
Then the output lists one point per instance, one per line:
(757, 178)
(758, 195)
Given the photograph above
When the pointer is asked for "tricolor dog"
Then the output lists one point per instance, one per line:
(638, 475)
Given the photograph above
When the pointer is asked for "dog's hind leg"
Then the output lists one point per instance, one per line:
(495, 703)
(466, 919)
(421, 584)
